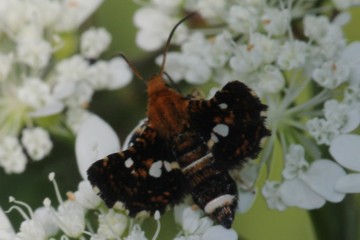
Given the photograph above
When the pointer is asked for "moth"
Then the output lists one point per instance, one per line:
(185, 146)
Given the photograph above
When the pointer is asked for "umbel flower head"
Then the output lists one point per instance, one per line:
(298, 62)
(35, 84)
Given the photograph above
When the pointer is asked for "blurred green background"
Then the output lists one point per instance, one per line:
(33, 185)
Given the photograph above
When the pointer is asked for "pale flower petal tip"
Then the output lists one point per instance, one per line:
(75, 12)
(349, 183)
(219, 232)
(322, 177)
(297, 193)
(345, 150)
(246, 200)
(95, 140)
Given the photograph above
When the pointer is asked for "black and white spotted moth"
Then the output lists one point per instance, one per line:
(185, 146)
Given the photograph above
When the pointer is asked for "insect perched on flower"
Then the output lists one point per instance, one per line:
(185, 146)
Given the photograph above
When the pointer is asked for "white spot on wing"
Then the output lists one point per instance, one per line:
(221, 129)
(218, 202)
(155, 169)
(223, 106)
(129, 162)
(167, 166)
(96, 189)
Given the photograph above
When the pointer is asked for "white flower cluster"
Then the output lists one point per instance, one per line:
(68, 220)
(34, 84)
(298, 62)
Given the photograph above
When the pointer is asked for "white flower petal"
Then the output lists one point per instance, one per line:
(351, 52)
(346, 151)
(219, 232)
(95, 140)
(63, 89)
(120, 72)
(353, 120)
(51, 109)
(349, 183)
(86, 196)
(246, 200)
(148, 40)
(297, 193)
(322, 176)
(75, 13)
(5, 224)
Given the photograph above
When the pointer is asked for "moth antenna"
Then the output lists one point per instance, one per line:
(167, 45)
(131, 65)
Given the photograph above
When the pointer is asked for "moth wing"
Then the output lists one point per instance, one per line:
(145, 177)
(232, 123)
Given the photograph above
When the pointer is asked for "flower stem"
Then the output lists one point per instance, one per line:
(337, 221)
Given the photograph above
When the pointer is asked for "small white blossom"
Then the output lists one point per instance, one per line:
(316, 27)
(270, 80)
(81, 96)
(333, 42)
(269, 48)
(94, 41)
(109, 75)
(37, 142)
(330, 75)
(243, 18)
(276, 21)
(154, 26)
(322, 130)
(35, 93)
(112, 224)
(72, 69)
(86, 196)
(271, 193)
(34, 52)
(341, 116)
(246, 59)
(211, 10)
(295, 163)
(136, 234)
(292, 55)
(70, 218)
(31, 230)
(219, 51)
(12, 158)
(13, 15)
(46, 219)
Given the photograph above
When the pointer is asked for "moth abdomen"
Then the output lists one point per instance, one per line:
(212, 188)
